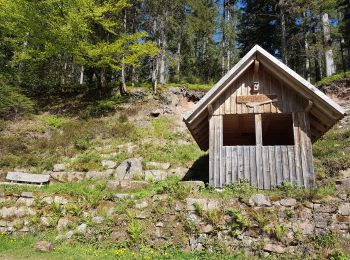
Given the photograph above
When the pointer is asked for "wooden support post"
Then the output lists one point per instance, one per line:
(258, 140)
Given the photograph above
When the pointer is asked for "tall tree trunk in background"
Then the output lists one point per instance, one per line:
(155, 74)
(283, 33)
(178, 58)
(307, 73)
(122, 88)
(163, 50)
(162, 64)
(81, 80)
(223, 40)
(228, 51)
(123, 83)
(329, 59)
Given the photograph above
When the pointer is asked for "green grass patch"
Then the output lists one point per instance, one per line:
(22, 247)
(332, 153)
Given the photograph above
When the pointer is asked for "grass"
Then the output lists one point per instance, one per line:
(22, 247)
(190, 86)
(332, 153)
(330, 79)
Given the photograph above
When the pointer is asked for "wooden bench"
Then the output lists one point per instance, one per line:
(22, 178)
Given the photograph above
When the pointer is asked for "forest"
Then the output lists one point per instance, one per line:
(50, 47)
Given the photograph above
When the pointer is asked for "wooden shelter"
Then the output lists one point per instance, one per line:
(259, 122)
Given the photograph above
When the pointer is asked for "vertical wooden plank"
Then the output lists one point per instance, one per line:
(297, 158)
(279, 168)
(266, 168)
(252, 166)
(228, 171)
(227, 101)
(272, 163)
(309, 150)
(272, 91)
(258, 136)
(303, 147)
(234, 164)
(291, 164)
(222, 156)
(233, 98)
(285, 163)
(217, 151)
(211, 151)
(239, 93)
(240, 163)
(246, 164)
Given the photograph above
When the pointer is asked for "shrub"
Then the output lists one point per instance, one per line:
(12, 101)
(54, 121)
(135, 230)
(327, 240)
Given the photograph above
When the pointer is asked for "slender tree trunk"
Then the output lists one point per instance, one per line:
(123, 83)
(307, 61)
(81, 80)
(155, 74)
(283, 33)
(329, 59)
(178, 58)
(223, 40)
(122, 88)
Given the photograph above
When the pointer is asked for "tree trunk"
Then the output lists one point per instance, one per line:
(307, 59)
(283, 34)
(155, 74)
(81, 80)
(178, 58)
(329, 59)
(123, 83)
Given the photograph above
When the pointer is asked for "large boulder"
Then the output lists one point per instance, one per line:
(128, 168)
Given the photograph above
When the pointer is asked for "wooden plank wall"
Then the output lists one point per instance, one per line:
(263, 166)
(288, 100)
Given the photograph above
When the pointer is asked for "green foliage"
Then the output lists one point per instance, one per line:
(82, 144)
(240, 222)
(198, 209)
(135, 230)
(173, 187)
(332, 152)
(327, 240)
(54, 121)
(241, 189)
(74, 209)
(12, 101)
(335, 77)
(280, 231)
(338, 255)
(190, 86)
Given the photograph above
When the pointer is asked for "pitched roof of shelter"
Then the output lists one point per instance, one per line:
(197, 118)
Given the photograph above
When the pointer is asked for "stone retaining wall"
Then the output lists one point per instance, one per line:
(259, 223)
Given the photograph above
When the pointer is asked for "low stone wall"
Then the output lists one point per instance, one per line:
(258, 224)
